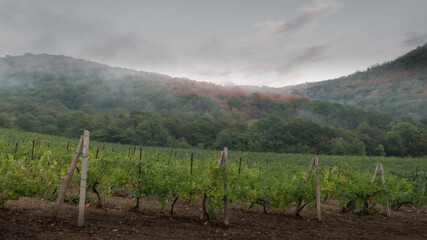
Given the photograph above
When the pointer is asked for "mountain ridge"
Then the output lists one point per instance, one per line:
(397, 87)
(60, 95)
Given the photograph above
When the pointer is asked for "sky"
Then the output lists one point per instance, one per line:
(244, 42)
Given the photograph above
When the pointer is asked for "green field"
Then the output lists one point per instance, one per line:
(275, 179)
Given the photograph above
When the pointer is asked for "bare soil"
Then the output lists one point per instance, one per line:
(30, 218)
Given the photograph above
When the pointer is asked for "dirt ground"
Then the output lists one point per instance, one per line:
(30, 219)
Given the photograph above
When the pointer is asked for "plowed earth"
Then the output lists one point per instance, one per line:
(30, 219)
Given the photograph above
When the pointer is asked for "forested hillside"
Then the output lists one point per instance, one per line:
(398, 88)
(60, 95)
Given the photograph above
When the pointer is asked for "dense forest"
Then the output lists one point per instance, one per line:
(60, 95)
(398, 87)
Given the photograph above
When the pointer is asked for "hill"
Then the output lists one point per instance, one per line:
(398, 88)
(61, 95)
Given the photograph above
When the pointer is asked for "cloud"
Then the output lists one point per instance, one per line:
(126, 48)
(259, 67)
(210, 50)
(294, 74)
(303, 17)
(310, 54)
(414, 39)
(45, 29)
(213, 73)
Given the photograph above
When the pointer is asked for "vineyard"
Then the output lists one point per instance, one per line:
(34, 165)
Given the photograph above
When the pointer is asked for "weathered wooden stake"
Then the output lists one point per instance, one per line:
(319, 211)
(381, 168)
(365, 206)
(32, 150)
(206, 198)
(97, 151)
(240, 164)
(140, 153)
(375, 174)
(310, 169)
(85, 155)
(383, 183)
(139, 182)
(191, 169)
(422, 196)
(68, 178)
(226, 213)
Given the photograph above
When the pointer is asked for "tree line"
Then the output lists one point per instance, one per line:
(267, 134)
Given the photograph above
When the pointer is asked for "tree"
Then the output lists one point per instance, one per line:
(4, 120)
(394, 144)
(271, 133)
(151, 132)
(379, 151)
(203, 133)
(48, 124)
(28, 122)
(339, 146)
(224, 139)
(403, 139)
(356, 147)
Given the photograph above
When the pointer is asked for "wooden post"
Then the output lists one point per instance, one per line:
(307, 178)
(220, 159)
(319, 211)
(372, 183)
(140, 153)
(226, 213)
(32, 150)
(375, 174)
(191, 169)
(97, 151)
(206, 198)
(383, 183)
(68, 178)
(139, 182)
(422, 196)
(240, 164)
(310, 169)
(82, 200)
(222, 162)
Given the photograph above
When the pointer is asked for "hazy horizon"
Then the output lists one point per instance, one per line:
(273, 43)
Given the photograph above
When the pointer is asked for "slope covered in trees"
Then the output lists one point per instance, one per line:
(62, 96)
(398, 88)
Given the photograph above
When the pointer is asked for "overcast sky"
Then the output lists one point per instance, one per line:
(263, 42)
